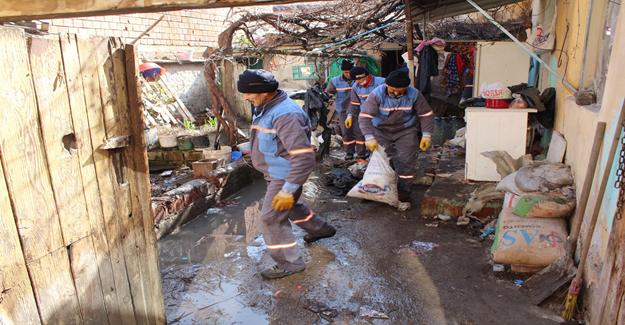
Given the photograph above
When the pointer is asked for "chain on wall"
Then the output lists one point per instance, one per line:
(620, 180)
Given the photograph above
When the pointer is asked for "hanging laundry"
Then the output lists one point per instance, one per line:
(453, 77)
(428, 67)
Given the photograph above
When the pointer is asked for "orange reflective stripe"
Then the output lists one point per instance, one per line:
(430, 113)
(293, 244)
(310, 216)
(349, 142)
(360, 142)
(263, 130)
(365, 115)
(346, 88)
(301, 151)
(406, 176)
(390, 109)
(364, 96)
(354, 103)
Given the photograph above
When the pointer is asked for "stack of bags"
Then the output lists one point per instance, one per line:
(532, 228)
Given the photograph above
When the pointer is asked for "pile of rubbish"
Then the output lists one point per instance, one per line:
(531, 230)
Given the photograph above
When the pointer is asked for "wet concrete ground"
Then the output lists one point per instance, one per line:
(210, 270)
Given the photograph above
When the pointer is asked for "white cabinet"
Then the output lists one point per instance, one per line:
(489, 130)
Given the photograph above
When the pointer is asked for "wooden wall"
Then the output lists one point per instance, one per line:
(76, 237)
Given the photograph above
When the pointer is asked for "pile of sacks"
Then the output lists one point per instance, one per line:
(532, 227)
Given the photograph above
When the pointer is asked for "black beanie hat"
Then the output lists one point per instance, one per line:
(358, 72)
(398, 79)
(257, 81)
(346, 65)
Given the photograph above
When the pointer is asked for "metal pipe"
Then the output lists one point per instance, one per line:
(520, 44)
(358, 35)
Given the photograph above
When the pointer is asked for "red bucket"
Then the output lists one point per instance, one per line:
(498, 103)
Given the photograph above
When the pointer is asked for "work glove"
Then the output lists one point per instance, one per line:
(425, 142)
(283, 201)
(371, 144)
(348, 122)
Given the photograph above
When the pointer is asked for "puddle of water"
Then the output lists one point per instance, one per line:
(200, 296)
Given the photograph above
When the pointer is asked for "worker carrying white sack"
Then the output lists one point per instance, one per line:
(392, 116)
(281, 150)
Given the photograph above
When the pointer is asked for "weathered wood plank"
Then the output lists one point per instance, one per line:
(52, 281)
(17, 300)
(22, 151)
(84, 266)
(138, 153)
(612, 286)
(71, 62)
(133, 245)
(91, 66)
(58, 136)
(13, 10)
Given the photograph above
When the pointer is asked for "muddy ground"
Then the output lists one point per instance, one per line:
(210, 270)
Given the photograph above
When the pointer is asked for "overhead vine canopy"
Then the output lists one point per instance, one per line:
(312, 27)
(309, 27)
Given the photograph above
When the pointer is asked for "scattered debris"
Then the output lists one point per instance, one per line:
(372, 314)
(403, 206)
(519, 282)
(416, 248)
(480, 196)
(487, 232)
(358, 168)
(166, 173)
(463, 221)
(432, 225)
(322, 310)
(340, 178)
(232, 254)
(498, 267)
(443, 217)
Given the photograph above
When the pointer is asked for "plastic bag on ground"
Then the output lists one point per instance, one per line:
(379, 183)
(528, 241)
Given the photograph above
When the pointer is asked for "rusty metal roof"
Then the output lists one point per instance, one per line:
(437, 9)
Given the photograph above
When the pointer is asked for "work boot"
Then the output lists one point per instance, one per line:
(404, 188)
(325, 232)
(276, 272)
(349, 156)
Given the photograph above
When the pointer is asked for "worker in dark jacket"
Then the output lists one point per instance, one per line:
(391, 116)
(364, 83)
(281, 150)
(342, 86)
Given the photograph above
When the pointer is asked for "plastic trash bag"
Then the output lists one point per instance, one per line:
(379, 183)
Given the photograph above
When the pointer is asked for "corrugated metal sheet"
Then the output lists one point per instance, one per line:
(437, 9)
